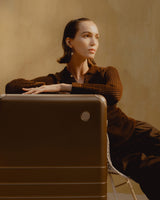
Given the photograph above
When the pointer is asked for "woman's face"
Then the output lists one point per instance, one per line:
(85, 42)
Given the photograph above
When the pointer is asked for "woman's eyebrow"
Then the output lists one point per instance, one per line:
(89, 32)
(85, 32)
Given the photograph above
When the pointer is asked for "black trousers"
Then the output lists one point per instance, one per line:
(139, 158)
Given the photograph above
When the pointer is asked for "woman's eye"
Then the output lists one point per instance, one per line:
(86, 36)
(97, 36)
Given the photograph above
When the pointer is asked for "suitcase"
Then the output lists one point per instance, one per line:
(53, 147)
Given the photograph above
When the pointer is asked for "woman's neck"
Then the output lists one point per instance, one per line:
(78, 69)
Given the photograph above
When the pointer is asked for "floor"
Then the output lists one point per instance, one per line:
(125, 197)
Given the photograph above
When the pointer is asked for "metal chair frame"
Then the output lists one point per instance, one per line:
(113, 171)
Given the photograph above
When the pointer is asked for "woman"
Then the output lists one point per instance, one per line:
(135, 145)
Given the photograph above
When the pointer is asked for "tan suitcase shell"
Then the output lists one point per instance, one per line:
(53, 147)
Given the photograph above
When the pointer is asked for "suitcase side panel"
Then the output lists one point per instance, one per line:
(48, 151)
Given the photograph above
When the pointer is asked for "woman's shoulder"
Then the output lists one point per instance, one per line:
(61, 72)
(60, 75)
(104, 68)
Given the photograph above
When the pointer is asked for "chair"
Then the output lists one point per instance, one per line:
(113, 171)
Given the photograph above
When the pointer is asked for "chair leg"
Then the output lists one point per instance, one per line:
(113, 186)
(132, 190)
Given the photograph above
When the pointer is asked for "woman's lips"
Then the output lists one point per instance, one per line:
(92, 51)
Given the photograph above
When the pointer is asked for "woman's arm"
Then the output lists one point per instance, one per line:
(16, 85)
(111, 90)
(60, 87)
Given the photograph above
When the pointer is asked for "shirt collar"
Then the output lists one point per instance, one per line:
(92, 69)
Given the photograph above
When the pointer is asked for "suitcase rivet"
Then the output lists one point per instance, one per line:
(85, 116)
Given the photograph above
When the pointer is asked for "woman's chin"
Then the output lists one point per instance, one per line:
(91, 56)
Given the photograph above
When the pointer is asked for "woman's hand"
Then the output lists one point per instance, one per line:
(49, 88)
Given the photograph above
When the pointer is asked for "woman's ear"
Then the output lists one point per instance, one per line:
(68, 42)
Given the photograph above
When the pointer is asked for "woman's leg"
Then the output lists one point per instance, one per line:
(139, 158)
(150, 182)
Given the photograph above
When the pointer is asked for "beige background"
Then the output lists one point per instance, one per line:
(30, 42)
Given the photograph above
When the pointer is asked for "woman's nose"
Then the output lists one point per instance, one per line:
(93, 41)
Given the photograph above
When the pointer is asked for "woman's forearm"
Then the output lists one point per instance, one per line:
(66, 87)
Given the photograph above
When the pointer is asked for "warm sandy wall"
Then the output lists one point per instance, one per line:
(30, 42)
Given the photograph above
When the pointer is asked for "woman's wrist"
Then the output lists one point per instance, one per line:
(66, 87)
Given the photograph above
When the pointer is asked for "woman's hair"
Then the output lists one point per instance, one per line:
(70, 31)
